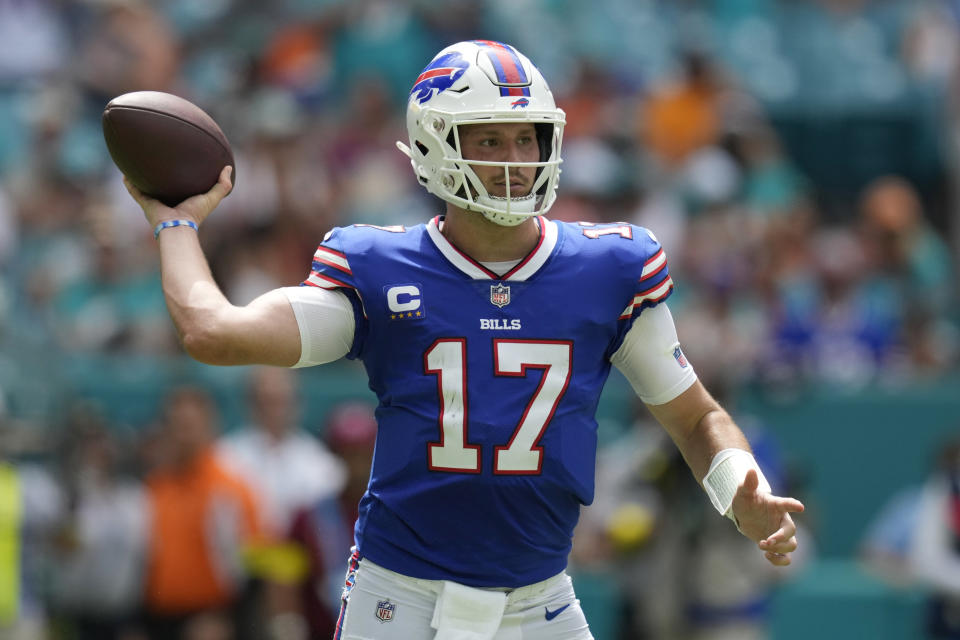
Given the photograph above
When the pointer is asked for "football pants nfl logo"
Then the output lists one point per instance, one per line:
(385, 610)
(500, 295)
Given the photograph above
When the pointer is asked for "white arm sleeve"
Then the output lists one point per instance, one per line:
(651, 359)
(326, 322)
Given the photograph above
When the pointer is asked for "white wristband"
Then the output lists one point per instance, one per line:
(726, 474)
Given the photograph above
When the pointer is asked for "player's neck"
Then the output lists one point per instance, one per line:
(485, 241)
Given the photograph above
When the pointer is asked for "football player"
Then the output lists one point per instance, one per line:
(487, 334)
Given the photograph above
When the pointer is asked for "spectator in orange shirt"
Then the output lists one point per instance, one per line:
(680, 119)
(202, 519)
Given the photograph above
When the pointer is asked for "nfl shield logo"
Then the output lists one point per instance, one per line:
(385, 610)
(499, 295)
(681, 359)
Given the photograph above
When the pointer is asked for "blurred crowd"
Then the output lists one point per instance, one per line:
(186, 531)
(797, 159)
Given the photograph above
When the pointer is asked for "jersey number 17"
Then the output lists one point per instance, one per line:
(446, 358)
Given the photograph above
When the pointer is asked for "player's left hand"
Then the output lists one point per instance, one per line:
(765, 519)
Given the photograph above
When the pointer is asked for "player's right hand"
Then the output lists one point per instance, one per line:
(195, 208)
(765, 519)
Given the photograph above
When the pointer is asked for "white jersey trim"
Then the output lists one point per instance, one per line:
(655, 294)
(655, 264)
(524, 269)
(332, 258)
(548, 229)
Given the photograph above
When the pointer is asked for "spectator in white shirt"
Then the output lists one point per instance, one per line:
(287, 467)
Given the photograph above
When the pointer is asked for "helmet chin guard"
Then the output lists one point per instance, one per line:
(475, 82)
(515, 210)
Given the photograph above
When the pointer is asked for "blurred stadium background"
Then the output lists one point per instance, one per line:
(797, 158)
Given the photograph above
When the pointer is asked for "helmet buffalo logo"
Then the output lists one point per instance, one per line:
(522, 102)
(439, 76)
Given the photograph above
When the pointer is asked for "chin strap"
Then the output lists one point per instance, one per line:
(520, 209)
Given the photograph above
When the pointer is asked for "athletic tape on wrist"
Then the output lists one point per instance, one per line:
(166, 224)
(727, 471)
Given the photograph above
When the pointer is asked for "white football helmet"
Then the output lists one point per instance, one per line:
(475, 82)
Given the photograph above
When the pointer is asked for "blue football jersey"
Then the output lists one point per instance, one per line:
(487, 386)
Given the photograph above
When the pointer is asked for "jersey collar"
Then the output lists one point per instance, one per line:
(524, 270)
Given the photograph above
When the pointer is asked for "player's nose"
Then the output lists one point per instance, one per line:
(515, 152)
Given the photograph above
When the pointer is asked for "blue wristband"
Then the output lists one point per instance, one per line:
(166, 224)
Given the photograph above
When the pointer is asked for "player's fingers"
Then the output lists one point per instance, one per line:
(790, 505)
(787, 531)
(200, 206)
(226, 178)
(778, 559)
(750, 483)
(223, 186)
(131, 189)
(785, 545)
(139, 197)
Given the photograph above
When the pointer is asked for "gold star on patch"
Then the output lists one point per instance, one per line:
(418, 314)
(409, 314)
(393, 316)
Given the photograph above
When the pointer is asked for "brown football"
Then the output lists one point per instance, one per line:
(167, 146)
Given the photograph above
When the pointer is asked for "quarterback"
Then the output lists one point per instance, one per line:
(487, 334)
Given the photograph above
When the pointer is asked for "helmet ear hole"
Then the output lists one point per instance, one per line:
(422, 147)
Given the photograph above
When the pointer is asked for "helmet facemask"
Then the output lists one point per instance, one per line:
(510, 209)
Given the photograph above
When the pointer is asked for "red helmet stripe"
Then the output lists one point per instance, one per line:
(433, 73)
(506, 62)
